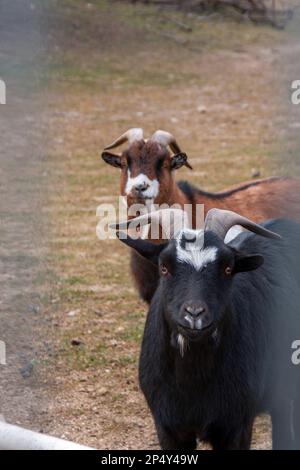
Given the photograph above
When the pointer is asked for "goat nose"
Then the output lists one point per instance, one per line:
(141, 187)
(195, 310)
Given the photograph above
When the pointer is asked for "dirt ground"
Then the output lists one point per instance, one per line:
(223, 90)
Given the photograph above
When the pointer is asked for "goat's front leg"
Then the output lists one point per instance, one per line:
(171, 440)
(235, 439)
(283, 428)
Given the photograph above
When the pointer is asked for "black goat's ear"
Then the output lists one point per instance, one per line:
(112, 159)
(146, 249)
(179, 160)
(245, 263)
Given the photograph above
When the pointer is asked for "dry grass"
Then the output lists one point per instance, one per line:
(113, 68)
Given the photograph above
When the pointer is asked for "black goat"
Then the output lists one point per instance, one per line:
(216, 350)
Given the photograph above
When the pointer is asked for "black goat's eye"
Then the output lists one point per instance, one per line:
(164, 270)
(228, 271)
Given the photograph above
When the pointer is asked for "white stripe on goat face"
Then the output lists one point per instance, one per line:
(190, 250)
(153, 185)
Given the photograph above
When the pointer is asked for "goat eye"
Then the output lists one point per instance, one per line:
(228, 271)
(164, 270)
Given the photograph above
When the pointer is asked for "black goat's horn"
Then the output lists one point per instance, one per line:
(221, 221)
(171, 221)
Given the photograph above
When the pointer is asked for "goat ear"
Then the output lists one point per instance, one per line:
(179, 160)
(112, 159)
(146, 249)
(245, 263)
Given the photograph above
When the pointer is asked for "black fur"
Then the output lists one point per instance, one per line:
(225, 379)
(191, 190)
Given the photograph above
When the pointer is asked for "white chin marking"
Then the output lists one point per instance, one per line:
(193, 253)
(153, 185)
(149, 203)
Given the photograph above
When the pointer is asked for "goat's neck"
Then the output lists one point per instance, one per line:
(176, 195)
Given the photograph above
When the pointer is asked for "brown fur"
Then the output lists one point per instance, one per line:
(264, 199)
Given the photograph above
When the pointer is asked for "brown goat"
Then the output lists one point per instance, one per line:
(147, 177)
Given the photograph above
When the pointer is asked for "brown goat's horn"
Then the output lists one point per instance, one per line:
(165, 138)
(130, 136)
(221, 221)
(177, 219)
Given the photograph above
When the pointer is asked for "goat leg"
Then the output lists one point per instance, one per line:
(237, 439)
(170, 440)
(282, 427)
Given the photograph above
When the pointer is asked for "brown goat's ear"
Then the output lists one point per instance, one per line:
(179, 160)
(112, 159)
(146, 249)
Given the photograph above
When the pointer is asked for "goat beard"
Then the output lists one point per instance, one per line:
(179, 342)
(182, 344)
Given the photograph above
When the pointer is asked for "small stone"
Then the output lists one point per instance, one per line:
(99, 313)
(33, 308)
(76, 342)
(255, 173)
(27, 370)
(202, 109)
(72, 313)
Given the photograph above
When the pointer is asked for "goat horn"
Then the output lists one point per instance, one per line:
(221, 221)
(165, 138)
(177, 220)
(129, 136)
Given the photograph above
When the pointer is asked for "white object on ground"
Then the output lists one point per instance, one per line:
(16, 438)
